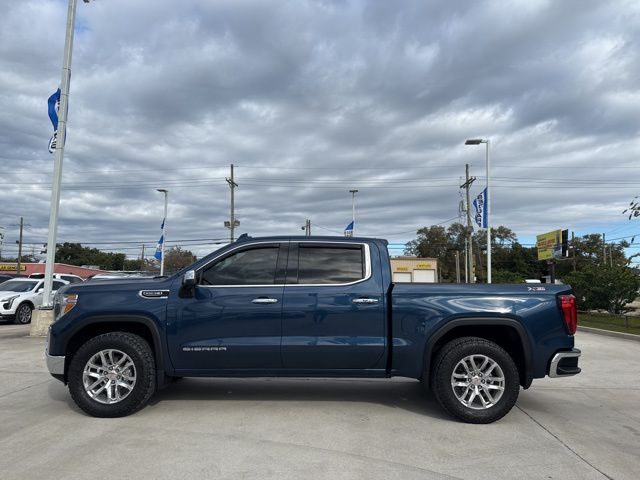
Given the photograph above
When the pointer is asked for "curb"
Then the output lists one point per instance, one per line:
(609, 333)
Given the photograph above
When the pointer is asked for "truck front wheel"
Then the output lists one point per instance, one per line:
(112, 375)
(475, 380)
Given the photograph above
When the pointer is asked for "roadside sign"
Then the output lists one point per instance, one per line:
(552, 245)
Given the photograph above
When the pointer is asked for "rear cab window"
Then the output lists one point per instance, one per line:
(329, 264)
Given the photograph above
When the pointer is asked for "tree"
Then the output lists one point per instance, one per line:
(176, 258)
(433, 242)
(506, 276)
(604, 287)
(76, 254)
(440, 243)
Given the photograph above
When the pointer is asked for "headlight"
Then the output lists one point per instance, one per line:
(63, 303)
(7, 302)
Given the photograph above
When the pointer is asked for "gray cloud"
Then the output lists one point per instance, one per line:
(311, 98)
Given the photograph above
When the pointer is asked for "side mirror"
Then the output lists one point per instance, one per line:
(40, 290)
(189, 279)
(188, 284)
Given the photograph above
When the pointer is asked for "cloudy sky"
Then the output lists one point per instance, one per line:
(310, 99)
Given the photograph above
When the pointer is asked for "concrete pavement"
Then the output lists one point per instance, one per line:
(586, 427)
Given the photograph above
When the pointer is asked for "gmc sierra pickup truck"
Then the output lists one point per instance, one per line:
(303, 307)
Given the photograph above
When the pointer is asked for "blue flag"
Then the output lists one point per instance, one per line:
(348, 232)
(480, 205)
(54, 106)
(158, 254)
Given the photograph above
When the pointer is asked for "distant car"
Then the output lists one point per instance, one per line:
(19, 296)
(4, 278)
(68, 277)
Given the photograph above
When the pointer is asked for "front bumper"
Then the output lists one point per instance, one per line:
(55, 363)
(7, 317)
(565, 364)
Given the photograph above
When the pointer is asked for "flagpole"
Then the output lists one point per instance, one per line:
(488, 206)
(353, 211)
(59, 156)
(164, 229)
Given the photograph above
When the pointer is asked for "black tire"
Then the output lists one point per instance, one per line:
(446, 361)
(140, 354)
(23, 314)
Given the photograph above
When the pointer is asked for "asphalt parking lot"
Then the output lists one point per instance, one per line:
(583, 427)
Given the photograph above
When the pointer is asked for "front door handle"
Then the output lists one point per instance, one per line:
(264, 300)
(365, 300)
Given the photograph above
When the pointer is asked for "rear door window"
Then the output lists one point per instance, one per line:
(318, 265)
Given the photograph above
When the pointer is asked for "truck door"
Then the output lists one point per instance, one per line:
(233, 320)
(334, 311)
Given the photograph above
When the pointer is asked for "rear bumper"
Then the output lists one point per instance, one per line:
(565, 364)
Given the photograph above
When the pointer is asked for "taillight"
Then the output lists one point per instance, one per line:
(569, 312)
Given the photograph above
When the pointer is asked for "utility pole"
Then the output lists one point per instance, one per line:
(466, 260)
(573, 245)
(457, 266)
(20, 247)
(479, 257)
(467, 185)
(611, 256)
(232, 223)
(1, 241)
(142, 258)
(604, 250)
(307, 228)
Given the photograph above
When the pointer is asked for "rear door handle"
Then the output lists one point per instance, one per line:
(365, 300)
(264, 300)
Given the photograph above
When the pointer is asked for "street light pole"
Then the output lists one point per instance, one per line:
(487, 206)
(59, 155)
(164, 229)
(353, 210)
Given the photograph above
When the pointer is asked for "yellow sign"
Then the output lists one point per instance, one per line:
(424, 265)
(402, 269)
(548, 243)
(12, 268)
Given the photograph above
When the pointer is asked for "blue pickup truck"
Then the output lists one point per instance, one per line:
(308, 307)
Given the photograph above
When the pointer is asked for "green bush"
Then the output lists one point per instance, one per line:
(505, 276)
(604, 288)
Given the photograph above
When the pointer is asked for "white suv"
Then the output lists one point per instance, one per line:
(69, 277)
(18, 298)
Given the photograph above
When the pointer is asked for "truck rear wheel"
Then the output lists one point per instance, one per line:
(475, 380)
(112, 375)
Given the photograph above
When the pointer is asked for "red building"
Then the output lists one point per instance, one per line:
(27, 269)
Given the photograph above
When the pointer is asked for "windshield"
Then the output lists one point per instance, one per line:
(18, 286)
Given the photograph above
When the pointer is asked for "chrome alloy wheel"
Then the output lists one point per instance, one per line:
(109, 376)
(478, 382)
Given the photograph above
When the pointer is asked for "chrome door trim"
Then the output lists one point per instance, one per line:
(367, 261)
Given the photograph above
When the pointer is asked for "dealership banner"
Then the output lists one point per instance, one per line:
(480, 205)
(54, 108)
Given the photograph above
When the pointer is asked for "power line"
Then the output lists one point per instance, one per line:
(342, 167)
